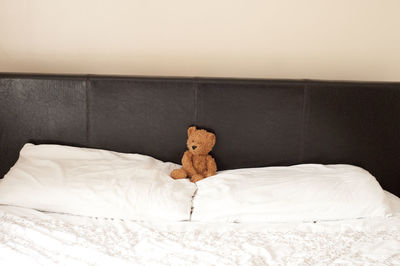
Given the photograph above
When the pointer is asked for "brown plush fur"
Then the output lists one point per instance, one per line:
(197, 164)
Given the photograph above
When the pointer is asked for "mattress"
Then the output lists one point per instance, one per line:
(30, 237)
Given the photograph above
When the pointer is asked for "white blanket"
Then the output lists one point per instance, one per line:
(28, 237)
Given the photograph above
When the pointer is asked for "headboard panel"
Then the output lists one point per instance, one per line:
(355, 123)
(147, 116)
(40, 109)
(257, 122)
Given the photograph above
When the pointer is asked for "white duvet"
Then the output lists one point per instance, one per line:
(28, 237)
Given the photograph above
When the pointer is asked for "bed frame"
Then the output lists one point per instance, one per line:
(257, 122)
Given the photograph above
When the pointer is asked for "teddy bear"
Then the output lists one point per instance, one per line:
(197, 164)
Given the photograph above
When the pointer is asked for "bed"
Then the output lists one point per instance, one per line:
(258, 123)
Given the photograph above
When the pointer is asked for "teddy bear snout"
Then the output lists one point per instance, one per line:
(194, 147)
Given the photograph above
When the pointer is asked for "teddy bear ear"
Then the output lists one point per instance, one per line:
(191, 130)
(212, 138)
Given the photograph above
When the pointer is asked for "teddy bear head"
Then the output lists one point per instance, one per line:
(200, 141)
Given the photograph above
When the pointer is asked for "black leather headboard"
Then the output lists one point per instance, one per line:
(257, 122)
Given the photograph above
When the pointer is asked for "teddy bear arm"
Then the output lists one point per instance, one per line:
(187, 164)
(211, 166)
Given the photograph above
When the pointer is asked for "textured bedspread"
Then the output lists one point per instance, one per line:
(46, 240)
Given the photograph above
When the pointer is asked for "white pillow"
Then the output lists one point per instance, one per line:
(308, 192)
(98, 183)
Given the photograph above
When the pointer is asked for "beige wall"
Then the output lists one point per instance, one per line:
(335, 39)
